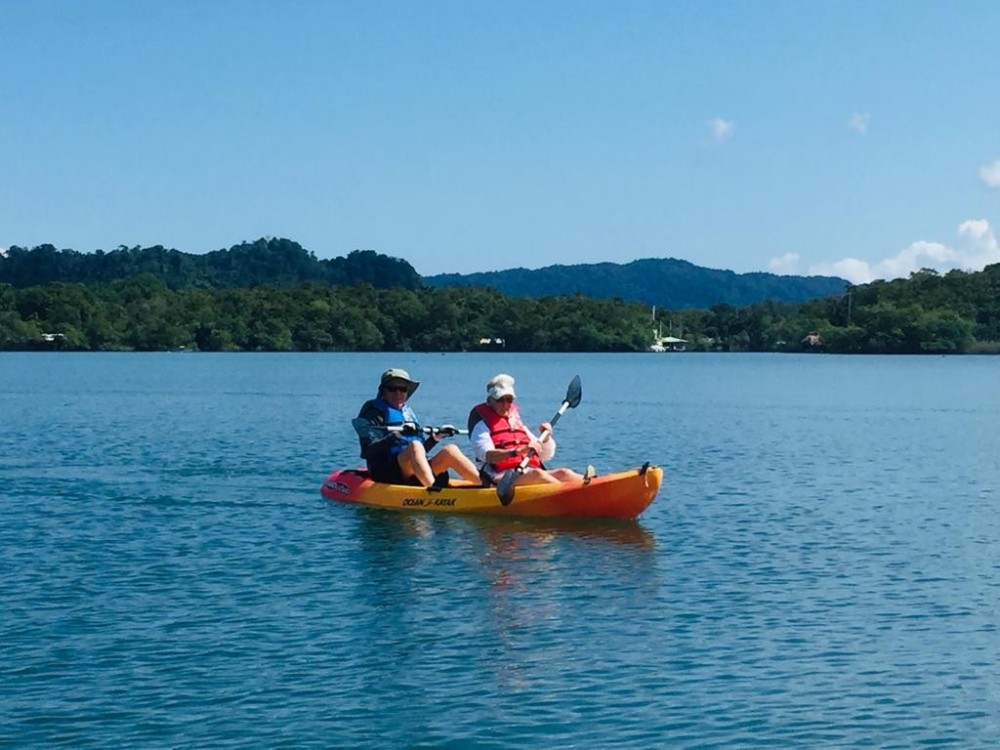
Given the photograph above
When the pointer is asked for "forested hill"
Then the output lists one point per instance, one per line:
(665, 282)
(266, 262)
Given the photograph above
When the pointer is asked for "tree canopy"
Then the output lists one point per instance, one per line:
(264, 262)
(251, 299)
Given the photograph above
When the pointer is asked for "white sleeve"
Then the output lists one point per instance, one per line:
(481, 441)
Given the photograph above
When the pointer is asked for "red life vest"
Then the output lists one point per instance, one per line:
(507, 433)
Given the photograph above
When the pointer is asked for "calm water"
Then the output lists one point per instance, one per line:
(822, 568)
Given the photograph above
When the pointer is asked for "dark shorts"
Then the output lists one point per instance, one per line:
(489, 475)
(388, 471)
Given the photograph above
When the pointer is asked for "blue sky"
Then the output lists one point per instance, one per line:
(860, 139)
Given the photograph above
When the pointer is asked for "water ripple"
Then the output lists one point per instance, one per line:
(820, 570)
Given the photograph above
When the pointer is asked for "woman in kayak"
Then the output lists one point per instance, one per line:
(501, 441)
(402, 457)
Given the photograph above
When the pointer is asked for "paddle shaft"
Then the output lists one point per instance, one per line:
(428, 430)
(543, 438)
(506, 488)
(365, 428)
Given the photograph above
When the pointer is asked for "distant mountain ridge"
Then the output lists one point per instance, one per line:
(666, 282)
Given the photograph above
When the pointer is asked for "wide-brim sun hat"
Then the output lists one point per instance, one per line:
(396, 373)
(499, 386)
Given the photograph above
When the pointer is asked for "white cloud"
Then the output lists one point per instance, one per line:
(721, 130)
(978, 243)
(976, 248)
(990, 174)
(859, 121)
(854, 270)
(3, 251)
(785, 265)
(976, 231)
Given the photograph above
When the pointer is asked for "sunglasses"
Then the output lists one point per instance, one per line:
(396, 388)
(506, 399)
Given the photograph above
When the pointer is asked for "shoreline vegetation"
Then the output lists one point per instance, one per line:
(271, 295)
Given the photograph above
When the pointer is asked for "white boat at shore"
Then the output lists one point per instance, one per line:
(668, 344)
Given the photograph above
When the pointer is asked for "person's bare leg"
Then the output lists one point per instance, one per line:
(566, 475)
(451, 457)
(413, 462)
(536, 476)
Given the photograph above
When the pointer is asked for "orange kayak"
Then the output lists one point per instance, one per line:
(625, 494)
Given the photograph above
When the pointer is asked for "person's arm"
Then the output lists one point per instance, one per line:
(482, 444)
(546, 449)
(374, 449)
(430, 441)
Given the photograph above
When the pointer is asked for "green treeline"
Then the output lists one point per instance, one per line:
(265, 262)
(927, 313)
(143, 314)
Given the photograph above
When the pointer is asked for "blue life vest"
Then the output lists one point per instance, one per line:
(394, 416)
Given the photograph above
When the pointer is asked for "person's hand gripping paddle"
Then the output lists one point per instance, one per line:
(505, 487)
(366, 429)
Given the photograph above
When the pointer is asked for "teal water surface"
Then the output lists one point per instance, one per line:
(821, 568)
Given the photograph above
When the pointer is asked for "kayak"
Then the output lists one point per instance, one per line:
(625, 494)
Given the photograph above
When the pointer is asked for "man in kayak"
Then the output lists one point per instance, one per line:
(403, 457)
(501, 440)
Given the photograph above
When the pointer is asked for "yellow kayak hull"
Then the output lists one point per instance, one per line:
(624, 495)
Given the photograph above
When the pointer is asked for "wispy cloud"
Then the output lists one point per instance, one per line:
(976, 247)
(785, 265)
(859, 121)
(721, 130)
(990, 174)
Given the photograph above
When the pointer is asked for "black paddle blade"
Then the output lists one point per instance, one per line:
(505, 487)
(574, 393)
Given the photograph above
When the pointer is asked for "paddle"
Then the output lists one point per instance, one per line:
(505, 487)
(366, 429)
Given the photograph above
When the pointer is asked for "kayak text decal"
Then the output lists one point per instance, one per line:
(427, 502)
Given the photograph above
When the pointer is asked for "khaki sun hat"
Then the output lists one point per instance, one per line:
(395, 373)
